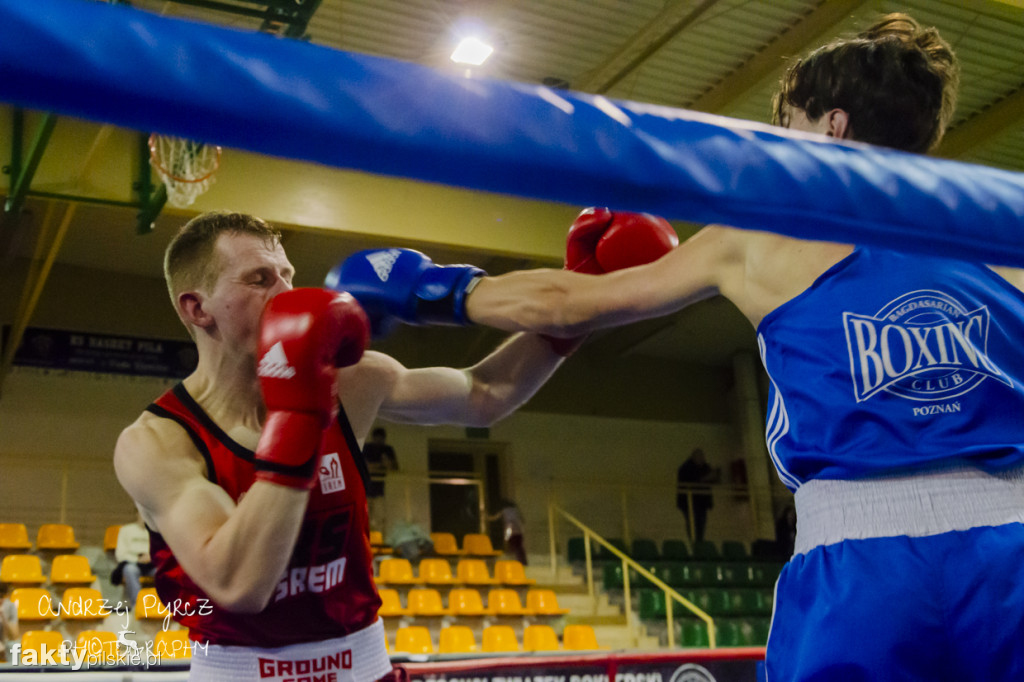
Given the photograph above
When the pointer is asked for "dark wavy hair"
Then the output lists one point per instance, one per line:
(897, 82)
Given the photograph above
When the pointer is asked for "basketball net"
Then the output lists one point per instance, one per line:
(186, 167)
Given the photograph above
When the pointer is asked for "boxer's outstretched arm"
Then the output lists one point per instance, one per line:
(563, 303)
(235, 554)
(475, 396)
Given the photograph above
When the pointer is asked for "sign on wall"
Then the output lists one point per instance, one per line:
(59, 349)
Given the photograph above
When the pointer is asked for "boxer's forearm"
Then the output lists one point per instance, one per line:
(510, 376)
(533, 300)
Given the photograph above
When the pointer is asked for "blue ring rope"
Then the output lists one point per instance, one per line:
(296, 100)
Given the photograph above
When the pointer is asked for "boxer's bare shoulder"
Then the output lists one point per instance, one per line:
(364, 386)
(777, 268)
(152, 455)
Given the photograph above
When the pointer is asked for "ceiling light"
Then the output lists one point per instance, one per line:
(472, 51)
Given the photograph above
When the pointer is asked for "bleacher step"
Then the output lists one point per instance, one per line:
(540, 570)
(617, 637)
(580, 604)
(605, 619)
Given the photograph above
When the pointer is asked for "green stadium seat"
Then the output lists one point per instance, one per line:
(705, 550)
(576, 550)
(604, 555)
(764, 574)
(651, 605)
(693, 633)
(713, 601)
(675, 550)
(727, 575)
(644, 549)
(611, 576)
(750, 602)
(753, 631)
(766, 550)
(733, 550)
(759, 628)
(728, 633)
(658, 569)
(676, 574)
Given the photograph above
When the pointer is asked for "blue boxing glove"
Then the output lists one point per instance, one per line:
(404, 285)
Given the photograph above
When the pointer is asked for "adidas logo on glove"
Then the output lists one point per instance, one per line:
(383, 261)
(274, 364)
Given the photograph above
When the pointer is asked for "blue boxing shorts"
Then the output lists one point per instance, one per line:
(936, 602)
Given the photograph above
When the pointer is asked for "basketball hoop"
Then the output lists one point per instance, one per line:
(186, 167)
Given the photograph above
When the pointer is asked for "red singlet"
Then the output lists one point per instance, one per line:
(327, 590)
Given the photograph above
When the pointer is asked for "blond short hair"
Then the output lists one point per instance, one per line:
(190, 261)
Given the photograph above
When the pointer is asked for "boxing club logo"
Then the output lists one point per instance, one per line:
(382, 262)
(274, 364)
(331, 477)
(924, 346)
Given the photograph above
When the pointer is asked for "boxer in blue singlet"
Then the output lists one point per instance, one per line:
(896, 407)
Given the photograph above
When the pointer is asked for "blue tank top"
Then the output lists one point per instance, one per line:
(891, 362)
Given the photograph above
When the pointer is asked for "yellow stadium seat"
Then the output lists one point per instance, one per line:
(97, 646)
(172, 645)
(377, 543)
(456, 639)
(540, 638)
(436, 572)
(478, 544)
(56, 536)
(445, 544)
(473, 572)
(71, 569)
(148, 605)
(426, 602)
(14, 536)
(500, 639)
(505, 602)
(414, 639)
(391, 604)
(83, 603)
(579, 638)
(544, 603)
(110, 538)
(511, 573)
(396, 572)
(34, 604)
(22, 569)
(35, 640)
(466, 601)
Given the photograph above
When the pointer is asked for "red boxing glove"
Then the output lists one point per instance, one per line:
(305, 335)
(601, 241)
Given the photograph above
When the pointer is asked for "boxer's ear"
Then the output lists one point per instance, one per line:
(838, 124)
(191, 310)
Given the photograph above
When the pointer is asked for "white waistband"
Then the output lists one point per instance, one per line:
(923, 504)
(359, 657)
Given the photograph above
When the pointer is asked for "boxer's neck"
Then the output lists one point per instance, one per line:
(228, 391)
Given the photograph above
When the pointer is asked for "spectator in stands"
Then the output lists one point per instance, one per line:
(696, 470)
(409, 540)
(133, 561)
(8, 622)
(380, 459)
(785, 532)
(512, 531)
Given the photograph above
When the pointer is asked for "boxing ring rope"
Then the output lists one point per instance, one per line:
(291, 99)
